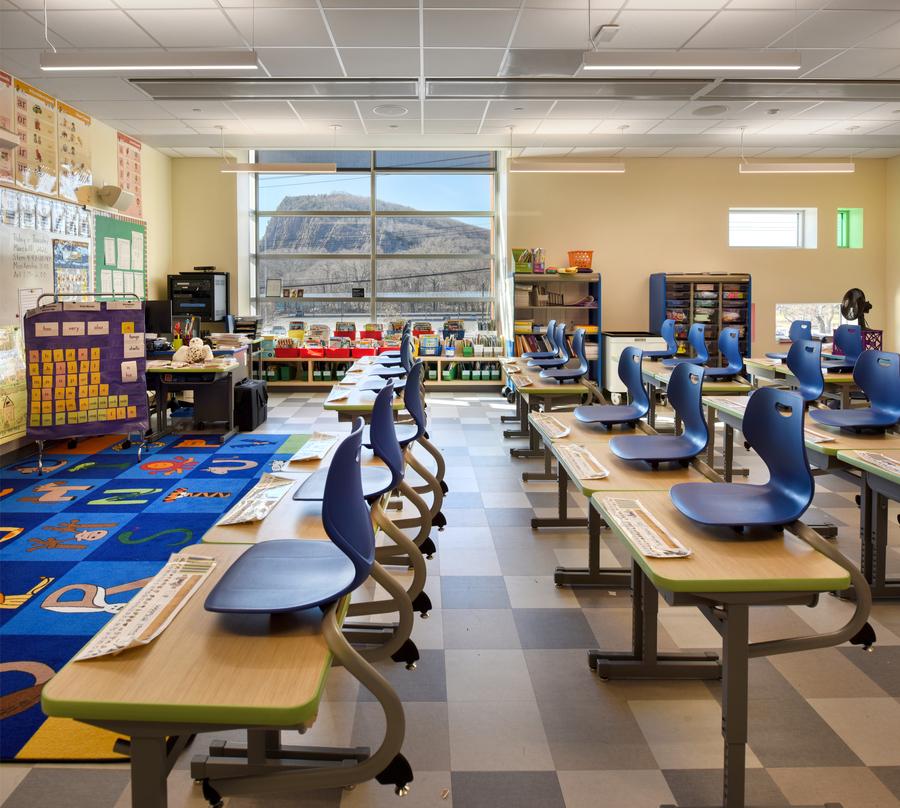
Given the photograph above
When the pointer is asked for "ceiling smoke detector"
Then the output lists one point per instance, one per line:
(390, 110)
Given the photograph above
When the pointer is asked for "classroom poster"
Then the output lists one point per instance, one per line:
(71, 267)
(130, 172)
(37, 166)
(74, 151)
(7, 121)
(13, 395)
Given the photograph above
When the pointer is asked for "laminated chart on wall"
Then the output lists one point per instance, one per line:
(130, 172)
(7, 103)
(35, 123)
(120, 256)
(85, 369)
(71, 267)
(73, 128)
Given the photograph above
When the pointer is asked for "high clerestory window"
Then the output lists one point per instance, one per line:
(391, 235)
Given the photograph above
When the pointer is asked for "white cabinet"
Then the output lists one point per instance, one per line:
(614, 342)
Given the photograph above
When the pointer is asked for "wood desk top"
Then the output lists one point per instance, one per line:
(852, 458)
(780, 369)
(723, 561)
(539, 386)
(844, 441)
(656, 374)
(358, 401)
(624, 475)
(205, 668)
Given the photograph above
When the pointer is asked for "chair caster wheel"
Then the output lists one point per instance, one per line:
(439, 520)
(858, 500)
(444, 487)
(399, 774)
(212, 796)
(864, 637)
(511, 398)
(747, 445)
(408, 653)
(427, 547)
(422, 604)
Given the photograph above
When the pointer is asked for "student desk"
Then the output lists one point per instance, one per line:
(530, 398)
(878, 485)
(624, 475)
(213, 395)
(358, 404)
(838, 386)
(209, 672)
(724, 577)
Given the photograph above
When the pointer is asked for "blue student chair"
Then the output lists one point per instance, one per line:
(394, 358)
(551, 338)
(608, 415)
(799, 329)
(877, 374)
(287, 575)
(685, 394)
(804, 360)
(667, 332)
(562, 356)
(412, 401)
(848, 338)
(570, 374)
(380, 373)
(773, 426)
(697, 341)
(730, 349)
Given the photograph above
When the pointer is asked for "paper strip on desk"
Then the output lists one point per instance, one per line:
(316, 448)
(728, 402)
(337, 394)
(586, 466)
(148, 613)
(817, 437)
(520, 380)
(258, 502)
(643, 529)
(554, 428)
(765, 360)
(882, 461)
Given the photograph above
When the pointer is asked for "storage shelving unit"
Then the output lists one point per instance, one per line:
(718, 300)
(571, 287)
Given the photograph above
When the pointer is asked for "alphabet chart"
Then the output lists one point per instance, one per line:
(86, 369)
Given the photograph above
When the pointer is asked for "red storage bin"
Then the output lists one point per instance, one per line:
(370, 334)
(419, 333)
(358, 352)
(312, 353)
(337, 353)
(348, 334)
(287, 353)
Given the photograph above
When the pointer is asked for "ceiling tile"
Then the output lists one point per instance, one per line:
(890, 129)
(381, 62)
(305, 62)
(277, 126)
(326, 110)
(126, 110)
(355, 4)
(642, 151)
(731, 108)
(596, 151)
(858, 63)
(469, 29)
(557, 28)
(883, 112)
(545, 151)
(462, 62)
(576, 126)
(165, 126)
(614, 126)
(691, 151)
(797, 126)
(520, 126)
(19, 30)
(459, 110)
(383, 126)
(656, 29)
(96, 88)
(735, 151)
(744, 29)
(229, 126)
(382, 29)
(789, 5)
(853, 127)
(281, 27)
(879, 153)
(888, 38)
(99, 29)
(37, 5)
(324, 126)
(163, 4)
(838, 29)
(367, 109)
(768, 110)
(647, 109)
(262, 109)
(839, 110)
(519, 109)
(583, 109)
(845, 152)
(786, 151)
(677, 5)
(444, 126)
(683, 127)
(189, 28)
(197, 110)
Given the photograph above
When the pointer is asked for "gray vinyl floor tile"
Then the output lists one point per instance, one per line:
(477, 789)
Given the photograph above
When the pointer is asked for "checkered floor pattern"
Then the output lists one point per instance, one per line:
(503, 712)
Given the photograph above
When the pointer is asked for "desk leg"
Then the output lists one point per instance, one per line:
(522, 417)
(529, 432)
(735, 660)
(593, 576)
(651, 413)
(644, 660)
(873, 542)
(546, 474)
(728, 450)
(149, 769)
(513, 419)
(562, 520)
(711, 431)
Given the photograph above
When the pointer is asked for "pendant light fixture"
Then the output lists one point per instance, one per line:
(745, 166)
(272, 168)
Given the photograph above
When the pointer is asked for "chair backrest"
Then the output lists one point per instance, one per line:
(412, 398)
(630, 373)
(578, 350)
(848, 338)
(551, 335)
(383, 434)
(345, 513)
(773, 426)
(667, 332)
(800, 329)
(878, 375)
(804, 360)
(562, 349)
(697, 341)
(685, 392)
(406, 351)
(730, 348)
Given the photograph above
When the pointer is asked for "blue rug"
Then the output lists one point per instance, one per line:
(79, 541)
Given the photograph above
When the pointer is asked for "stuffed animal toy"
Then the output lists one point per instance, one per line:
(194, 352)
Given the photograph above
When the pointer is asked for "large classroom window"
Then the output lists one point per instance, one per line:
(772, 227)
(824, 317)
(392, 235)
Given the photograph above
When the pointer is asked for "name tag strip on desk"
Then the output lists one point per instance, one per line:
(882, 461)
(258, 502)
(316, 448)
(554, 428)
(729, 402)
(583, 463)
(149, 612)
(643, 530)
(817, 437)
(337, 394)
(521, 380)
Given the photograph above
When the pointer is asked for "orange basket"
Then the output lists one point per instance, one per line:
(581, 258)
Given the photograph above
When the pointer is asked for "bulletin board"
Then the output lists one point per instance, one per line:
(86, 369)
(120, 256)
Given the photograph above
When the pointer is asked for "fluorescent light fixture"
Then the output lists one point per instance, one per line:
(279, 168)
(796, 168)
(561, 165)
(125, 60)
(611, 61)
(8, 139)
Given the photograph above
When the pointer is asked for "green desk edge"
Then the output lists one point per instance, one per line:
(850, 457)
(699, 585)
(534, 389)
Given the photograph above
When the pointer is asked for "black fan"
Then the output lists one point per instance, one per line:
(854, 306)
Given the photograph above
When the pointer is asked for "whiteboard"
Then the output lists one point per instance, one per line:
(26, 261)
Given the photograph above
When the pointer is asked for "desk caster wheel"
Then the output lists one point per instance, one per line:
(427, 547)
(858, 500)
(399, 774)
(422, 604)
(511, 398)
(747, 445)
(408, 653)
(444, 487)
(212, 796)
(439, 520)
(864, 637)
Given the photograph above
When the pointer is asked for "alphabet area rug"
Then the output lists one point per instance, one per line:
(77, 543)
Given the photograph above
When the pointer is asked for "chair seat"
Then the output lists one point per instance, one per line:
(389, 358)
(856, 418)
(654, 448)
(721, 374)
(838, 366)
(388, 371)
(285, 575)
(679, 360)
(377, 383)
(781, 356)
(544, 364)
(736, 504)
(661, 354)
(376, 480)
(562, 374)
(539, 355)
(608, 413)
(406, 434)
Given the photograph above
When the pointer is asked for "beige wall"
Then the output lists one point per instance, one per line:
(671, 215)
(205, 216)
(156, 171)
(892, 258)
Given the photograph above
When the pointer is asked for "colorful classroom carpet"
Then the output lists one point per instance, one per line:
(79, 541)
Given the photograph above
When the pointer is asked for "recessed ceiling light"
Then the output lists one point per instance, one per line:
(390, 110)
(393, 126)
(710, 110)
